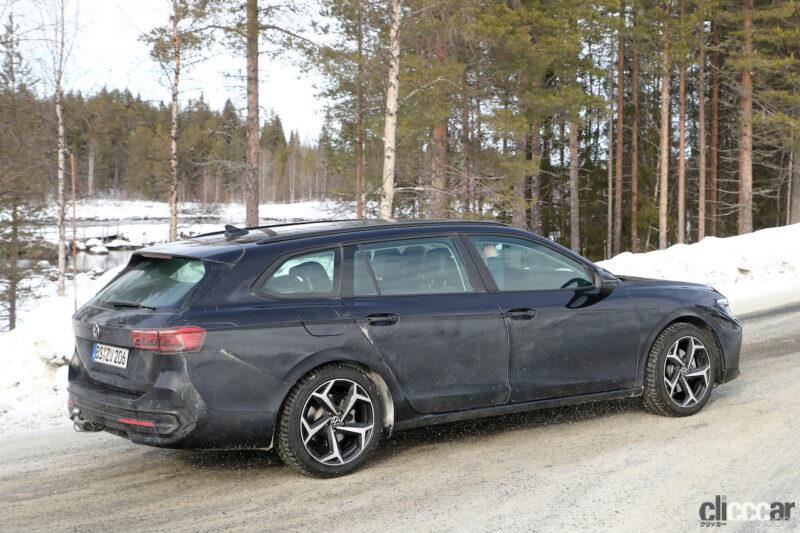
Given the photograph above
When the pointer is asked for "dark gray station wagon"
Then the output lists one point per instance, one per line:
(322, 338)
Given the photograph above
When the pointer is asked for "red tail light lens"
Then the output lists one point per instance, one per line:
(171, 340)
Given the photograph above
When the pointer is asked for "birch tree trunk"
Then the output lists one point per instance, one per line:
(173, 129)
(574, 187)
(701, 131)
(251, 171)
(60, 200)
(681, 142)
(390, 119)
(663, 195)
(360, 128)
(746, 132)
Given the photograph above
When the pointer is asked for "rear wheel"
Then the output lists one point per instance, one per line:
(331, 422)
(680, 371)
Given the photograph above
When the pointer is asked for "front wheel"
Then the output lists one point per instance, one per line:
(331, 422)
(680, 371)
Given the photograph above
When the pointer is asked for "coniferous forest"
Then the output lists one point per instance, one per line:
(607, 126)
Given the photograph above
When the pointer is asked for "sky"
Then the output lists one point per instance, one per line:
(107, 52)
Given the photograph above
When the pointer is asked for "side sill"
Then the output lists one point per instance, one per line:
(482, 412)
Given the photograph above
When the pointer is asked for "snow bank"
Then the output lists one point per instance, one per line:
(34, 357)
(756, 271)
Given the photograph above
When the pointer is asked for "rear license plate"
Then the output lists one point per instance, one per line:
(110, 355)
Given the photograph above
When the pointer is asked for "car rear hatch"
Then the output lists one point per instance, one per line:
(117, 333)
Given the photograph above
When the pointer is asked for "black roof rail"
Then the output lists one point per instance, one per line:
(278, 225)
(367, 227)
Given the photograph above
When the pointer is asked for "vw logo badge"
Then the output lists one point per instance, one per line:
(96, 332)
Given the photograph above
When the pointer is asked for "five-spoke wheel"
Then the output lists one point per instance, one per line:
(331, 421)
(680, 370)
(686, 371)
(336, 422)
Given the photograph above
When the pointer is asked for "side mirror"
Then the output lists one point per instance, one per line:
(604, 286)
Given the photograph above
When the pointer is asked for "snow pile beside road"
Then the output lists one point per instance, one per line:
(34, 356)
(756, 271)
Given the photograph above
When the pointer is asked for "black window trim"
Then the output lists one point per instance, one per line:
(462, 250)
(488, 279)
(256, 289)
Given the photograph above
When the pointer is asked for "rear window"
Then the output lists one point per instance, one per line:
(154, 282)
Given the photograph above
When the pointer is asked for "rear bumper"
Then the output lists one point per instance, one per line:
(172, 414)
(154, 418)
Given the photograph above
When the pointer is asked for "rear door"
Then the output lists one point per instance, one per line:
(565, 339)
(431, 322)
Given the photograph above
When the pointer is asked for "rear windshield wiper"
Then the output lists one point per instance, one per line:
(132, 305)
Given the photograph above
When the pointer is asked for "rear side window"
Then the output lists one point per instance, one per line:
(154, 282)
(310, 274)
(413, 266)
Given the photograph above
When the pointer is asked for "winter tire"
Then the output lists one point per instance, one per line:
(331, 422)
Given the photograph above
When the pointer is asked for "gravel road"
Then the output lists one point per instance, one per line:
(609, 466)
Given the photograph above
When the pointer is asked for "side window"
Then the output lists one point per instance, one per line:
(310, 274)
(520, 265)
(415, 266)
(362, 279)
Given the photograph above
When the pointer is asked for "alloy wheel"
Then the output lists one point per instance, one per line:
(686, 371)
(337, 422)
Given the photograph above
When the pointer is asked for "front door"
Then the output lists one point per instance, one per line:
(565, 339)
(442, 336)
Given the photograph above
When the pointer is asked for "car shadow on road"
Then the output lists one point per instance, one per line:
(403, 440)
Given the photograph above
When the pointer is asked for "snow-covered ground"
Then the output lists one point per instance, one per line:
(147, 222)
(756, 271)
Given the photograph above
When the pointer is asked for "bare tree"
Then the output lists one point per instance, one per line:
(635, 150)
(713, 142)
(663, 194)
(746, 128)
(251, 195)
(390, 119)
(610, 190)
(681, 139)
(701, 127)
(620, 103)
(574, 187)
(173, 125)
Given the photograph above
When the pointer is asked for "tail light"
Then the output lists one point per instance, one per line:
(169, 340)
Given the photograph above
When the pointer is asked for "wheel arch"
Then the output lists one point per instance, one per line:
(385, 382)
(688, 317)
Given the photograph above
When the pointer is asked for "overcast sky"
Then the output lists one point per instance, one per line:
(107, 51)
